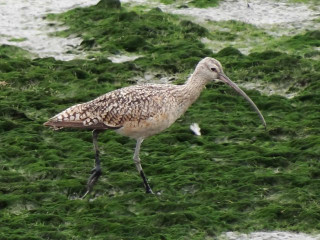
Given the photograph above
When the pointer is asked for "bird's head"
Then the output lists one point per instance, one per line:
(210, 69)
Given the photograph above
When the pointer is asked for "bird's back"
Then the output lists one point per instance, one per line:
(125, 108)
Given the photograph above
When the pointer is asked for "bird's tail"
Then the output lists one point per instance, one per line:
(75, 117)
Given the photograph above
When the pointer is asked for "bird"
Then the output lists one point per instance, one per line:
(141, 111)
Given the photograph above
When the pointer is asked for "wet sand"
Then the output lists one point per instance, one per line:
(23, 24)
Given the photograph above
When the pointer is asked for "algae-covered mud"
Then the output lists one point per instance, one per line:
(285, 15)
(234, 181)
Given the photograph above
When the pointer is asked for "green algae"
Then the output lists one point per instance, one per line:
(18, 39)
(304, 44)
(235, 177)
(13, 52)
(249, 38)
(205, 3)
(158, 36)
(194, 3)
(167, 1)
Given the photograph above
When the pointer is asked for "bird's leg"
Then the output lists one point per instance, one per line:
(96, 171)
(137, 161)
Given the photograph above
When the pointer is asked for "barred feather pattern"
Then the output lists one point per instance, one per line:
(126, 106)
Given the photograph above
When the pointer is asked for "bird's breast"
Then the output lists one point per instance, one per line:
(148, 127)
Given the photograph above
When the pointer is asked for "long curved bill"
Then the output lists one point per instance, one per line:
(226, 80)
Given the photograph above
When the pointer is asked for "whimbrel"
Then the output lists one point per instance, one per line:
(141, 111)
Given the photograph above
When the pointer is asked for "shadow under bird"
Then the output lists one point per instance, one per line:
(141, 111)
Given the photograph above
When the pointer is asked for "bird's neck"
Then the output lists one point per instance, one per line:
(190, 91)
(194, 86)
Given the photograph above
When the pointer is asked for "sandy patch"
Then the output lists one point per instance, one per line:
(264, 14)
(123, 58)
(270, 88)
(275, 235)
(286, 17)
(22, 24)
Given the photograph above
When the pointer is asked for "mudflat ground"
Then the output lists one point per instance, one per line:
(235, 177)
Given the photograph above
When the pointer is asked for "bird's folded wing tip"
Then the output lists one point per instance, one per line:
(77, 124)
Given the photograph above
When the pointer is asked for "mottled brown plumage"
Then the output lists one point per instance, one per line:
(141, 111)
(140, 106)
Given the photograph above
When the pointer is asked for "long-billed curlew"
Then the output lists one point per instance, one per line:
(141, 111)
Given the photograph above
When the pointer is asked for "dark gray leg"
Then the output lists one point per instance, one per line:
(137, 161)
(96, 171)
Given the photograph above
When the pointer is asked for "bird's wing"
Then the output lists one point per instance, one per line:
(113, 109)
(135, 103)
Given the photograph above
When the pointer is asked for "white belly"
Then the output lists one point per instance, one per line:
(146, 128)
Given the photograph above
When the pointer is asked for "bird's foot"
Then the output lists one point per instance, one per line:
(95, 174)
(145, 182)
(149, 190)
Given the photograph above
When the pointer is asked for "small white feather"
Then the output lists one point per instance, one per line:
(194, 127)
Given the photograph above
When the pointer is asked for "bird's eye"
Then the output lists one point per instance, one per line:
(213, 69)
